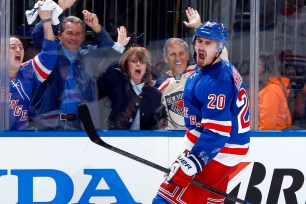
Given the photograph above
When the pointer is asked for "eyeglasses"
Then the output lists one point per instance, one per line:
(135, 61)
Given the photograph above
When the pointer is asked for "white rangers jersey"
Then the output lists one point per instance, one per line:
(172, 90)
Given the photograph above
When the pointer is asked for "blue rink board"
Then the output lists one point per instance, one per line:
(127, 133)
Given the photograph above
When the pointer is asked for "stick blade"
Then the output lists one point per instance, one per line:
(87, 123)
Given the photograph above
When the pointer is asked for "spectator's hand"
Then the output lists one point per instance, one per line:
(44, 14)
(122, 38)
(91, 20)
(194, 19)
(66, 4)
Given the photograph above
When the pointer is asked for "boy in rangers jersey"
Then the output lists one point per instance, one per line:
(25, 77)
(216, 111)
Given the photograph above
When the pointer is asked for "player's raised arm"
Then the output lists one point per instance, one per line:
(194, 19)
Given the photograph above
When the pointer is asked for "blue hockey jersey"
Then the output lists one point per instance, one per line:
(216, 112)
(30, 75)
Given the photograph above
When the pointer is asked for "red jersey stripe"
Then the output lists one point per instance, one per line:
(238, 151)
(39, 70)
(191, 137)
(161, 89)
(218, 127)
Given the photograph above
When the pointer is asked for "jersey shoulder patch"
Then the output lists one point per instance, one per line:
(236, 77)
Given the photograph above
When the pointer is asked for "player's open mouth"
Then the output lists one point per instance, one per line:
(201, 56)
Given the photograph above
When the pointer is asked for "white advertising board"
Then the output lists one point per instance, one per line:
(75, 170)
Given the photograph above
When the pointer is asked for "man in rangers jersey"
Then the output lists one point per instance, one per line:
(25, 77)
(176, 55)
(216, 111)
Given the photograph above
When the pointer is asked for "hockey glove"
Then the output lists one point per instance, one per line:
(183, 169)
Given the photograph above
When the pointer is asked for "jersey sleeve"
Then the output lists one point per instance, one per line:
(43, 62)
(192, 114)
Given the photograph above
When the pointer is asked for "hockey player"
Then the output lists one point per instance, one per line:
(25, 77)
(216, 111)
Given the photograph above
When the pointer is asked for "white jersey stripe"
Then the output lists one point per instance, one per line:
(195, 133)
(220, 132)
(217, 122)
(220, 127)
(228, 159)
(188, 144)
(237, 145)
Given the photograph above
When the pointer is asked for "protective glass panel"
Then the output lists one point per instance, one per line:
(281, 64)
(148, 23)
(4, 33)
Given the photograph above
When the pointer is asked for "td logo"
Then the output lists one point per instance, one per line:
(64, 187)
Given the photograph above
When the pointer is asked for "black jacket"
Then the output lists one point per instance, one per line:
(125, 102)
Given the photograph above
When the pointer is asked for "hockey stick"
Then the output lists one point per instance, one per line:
(94, 137)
